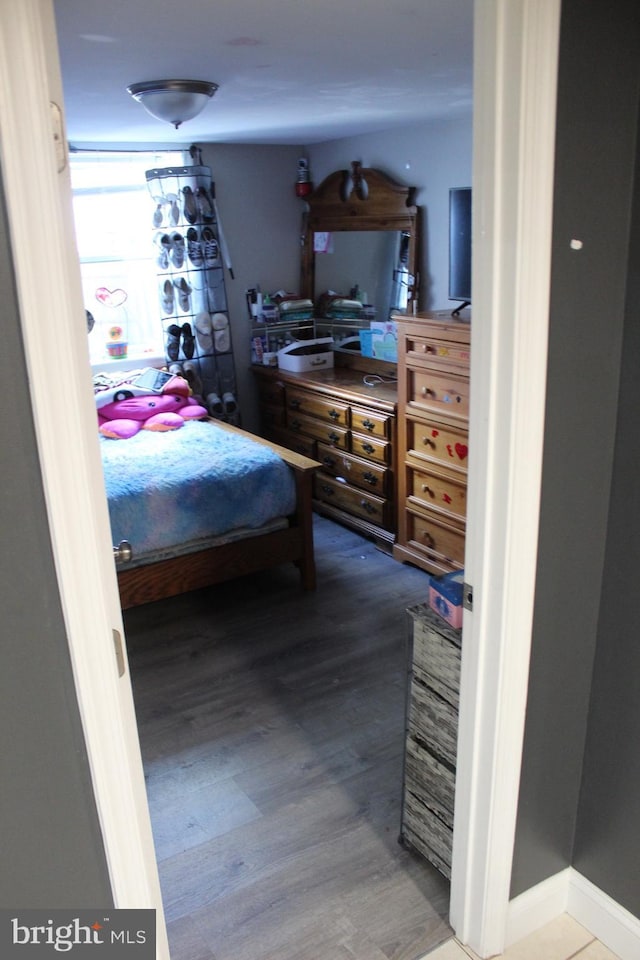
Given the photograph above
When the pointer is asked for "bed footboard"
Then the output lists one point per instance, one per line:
(192, 571)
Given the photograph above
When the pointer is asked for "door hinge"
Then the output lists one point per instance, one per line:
(117, 642)
(467, 596)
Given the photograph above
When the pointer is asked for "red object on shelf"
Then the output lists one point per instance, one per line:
(303, 185)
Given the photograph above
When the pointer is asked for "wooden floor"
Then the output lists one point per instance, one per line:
(271, 725)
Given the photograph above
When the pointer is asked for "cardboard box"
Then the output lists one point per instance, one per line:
(304, 355)
(384, 340)
(445, 597)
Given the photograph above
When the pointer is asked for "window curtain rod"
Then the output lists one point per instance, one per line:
(155, 151)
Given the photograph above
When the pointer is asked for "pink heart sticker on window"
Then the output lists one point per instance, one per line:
(111, 298)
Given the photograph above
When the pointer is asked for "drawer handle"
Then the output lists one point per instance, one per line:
(426, 348)
(370, 478)
(428, 392)
(429, 540)
(334, 437)
(369, 507)
(368, 424)
(368, 448)
(329, 461)
(427, 489)
(334, 415)
(428, 442)
(327, 489)
(295, 404)
(295, 425)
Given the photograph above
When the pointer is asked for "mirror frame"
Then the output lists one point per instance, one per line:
(362, 198)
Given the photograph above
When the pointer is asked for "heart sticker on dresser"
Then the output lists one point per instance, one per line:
(462, 450)
(111, 298)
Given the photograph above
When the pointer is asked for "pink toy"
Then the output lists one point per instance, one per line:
(159, 412)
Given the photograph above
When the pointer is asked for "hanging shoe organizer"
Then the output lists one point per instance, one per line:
(191, 292)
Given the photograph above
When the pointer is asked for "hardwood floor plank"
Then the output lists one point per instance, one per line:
(279, 845)
(186, 943)
(193, 816)
(350, 876)
(272, 726)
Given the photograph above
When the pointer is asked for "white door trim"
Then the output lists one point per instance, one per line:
(516, 44)
(56, 351)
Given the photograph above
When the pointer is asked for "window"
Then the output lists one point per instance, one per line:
(113, 213)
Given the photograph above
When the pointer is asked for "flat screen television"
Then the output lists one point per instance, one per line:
(460, 246)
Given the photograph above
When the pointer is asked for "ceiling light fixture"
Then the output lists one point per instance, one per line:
(173, 100)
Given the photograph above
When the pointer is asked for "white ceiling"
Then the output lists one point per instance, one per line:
(289, 71)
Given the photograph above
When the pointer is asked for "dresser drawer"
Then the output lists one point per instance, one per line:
(371, 448)
(434, 721)
(374, 424)
(337, 436)
(446, 353)
(334, 418)
(437, 540)
(429, 780)
(369, 476)
(360, 503)
(453, 331)
(438, 441)
(435, 390)
(436, 662)
(273, 416)
(300, 401)
(271, 392)
(438, 491)
(307, 446)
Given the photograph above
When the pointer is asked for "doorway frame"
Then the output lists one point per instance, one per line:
(514, 129)
(516, 46)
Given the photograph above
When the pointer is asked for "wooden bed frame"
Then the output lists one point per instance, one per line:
(191, 571)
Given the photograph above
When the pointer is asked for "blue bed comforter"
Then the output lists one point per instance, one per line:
(167, 489)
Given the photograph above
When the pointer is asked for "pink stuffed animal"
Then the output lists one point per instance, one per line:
(122, 419)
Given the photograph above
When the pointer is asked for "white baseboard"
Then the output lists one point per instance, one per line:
(618, 929)
(570, 892)
(537, 906)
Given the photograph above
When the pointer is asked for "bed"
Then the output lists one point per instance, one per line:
(205, 503)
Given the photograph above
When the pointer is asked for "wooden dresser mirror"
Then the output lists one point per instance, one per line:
(371, 227)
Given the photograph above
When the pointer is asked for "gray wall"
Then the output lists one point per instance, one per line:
(607, 847)
(596, 150)
(52, 850)
(261, 218)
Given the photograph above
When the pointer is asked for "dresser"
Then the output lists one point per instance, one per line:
(433, 419)
(431, 736)
(344, 418)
